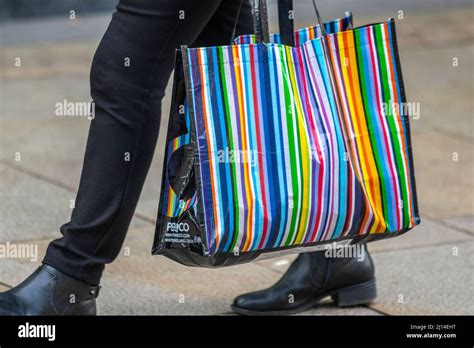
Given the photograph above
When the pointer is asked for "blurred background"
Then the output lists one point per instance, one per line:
(45, 59)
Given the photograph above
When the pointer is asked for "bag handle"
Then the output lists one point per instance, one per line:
(260, 21)
(320, 22)
(287, 26)
(285, 23)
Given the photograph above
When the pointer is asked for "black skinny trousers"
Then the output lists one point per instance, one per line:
(129, 73)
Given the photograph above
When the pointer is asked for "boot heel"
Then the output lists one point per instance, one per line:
(356, 294)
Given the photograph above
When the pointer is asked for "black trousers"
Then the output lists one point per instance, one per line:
(129, 73)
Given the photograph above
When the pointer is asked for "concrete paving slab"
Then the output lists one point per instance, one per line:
(36, 61)
(444, 169)
(429, 280)
(32, 209)
(55, 29)
(465, 223)
(441, 89)
(51, 145)
(29, 208)
(431, 33)
(61, 152)
(428, 233)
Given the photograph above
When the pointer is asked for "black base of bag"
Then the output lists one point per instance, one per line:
(189, 254)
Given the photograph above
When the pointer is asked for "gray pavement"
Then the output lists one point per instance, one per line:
(426, 271)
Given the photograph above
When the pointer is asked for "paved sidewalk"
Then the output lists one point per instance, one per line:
(426, 271)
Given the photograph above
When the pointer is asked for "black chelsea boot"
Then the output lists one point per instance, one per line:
(49, 292)
(312, 276)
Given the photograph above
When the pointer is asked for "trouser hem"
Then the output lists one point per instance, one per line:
(91, 278)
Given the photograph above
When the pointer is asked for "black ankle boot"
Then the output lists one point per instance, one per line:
(311, 277)
(49, 292)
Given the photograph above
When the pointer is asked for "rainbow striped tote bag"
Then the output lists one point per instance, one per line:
(286, 143)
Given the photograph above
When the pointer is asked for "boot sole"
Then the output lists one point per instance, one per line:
(354, 295)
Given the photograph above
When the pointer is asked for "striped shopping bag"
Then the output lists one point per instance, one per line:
(286, 142)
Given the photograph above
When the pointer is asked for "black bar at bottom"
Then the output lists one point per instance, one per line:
(210, 330)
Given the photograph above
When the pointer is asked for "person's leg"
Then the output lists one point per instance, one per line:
(219, 29)
(129, 74)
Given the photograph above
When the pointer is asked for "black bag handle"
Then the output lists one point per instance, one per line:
(286, 24)
(320, 22)
(260, 21)
(287, 27)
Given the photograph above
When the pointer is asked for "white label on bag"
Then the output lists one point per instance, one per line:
(177, 227)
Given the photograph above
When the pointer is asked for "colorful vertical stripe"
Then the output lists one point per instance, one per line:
(299, 145)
